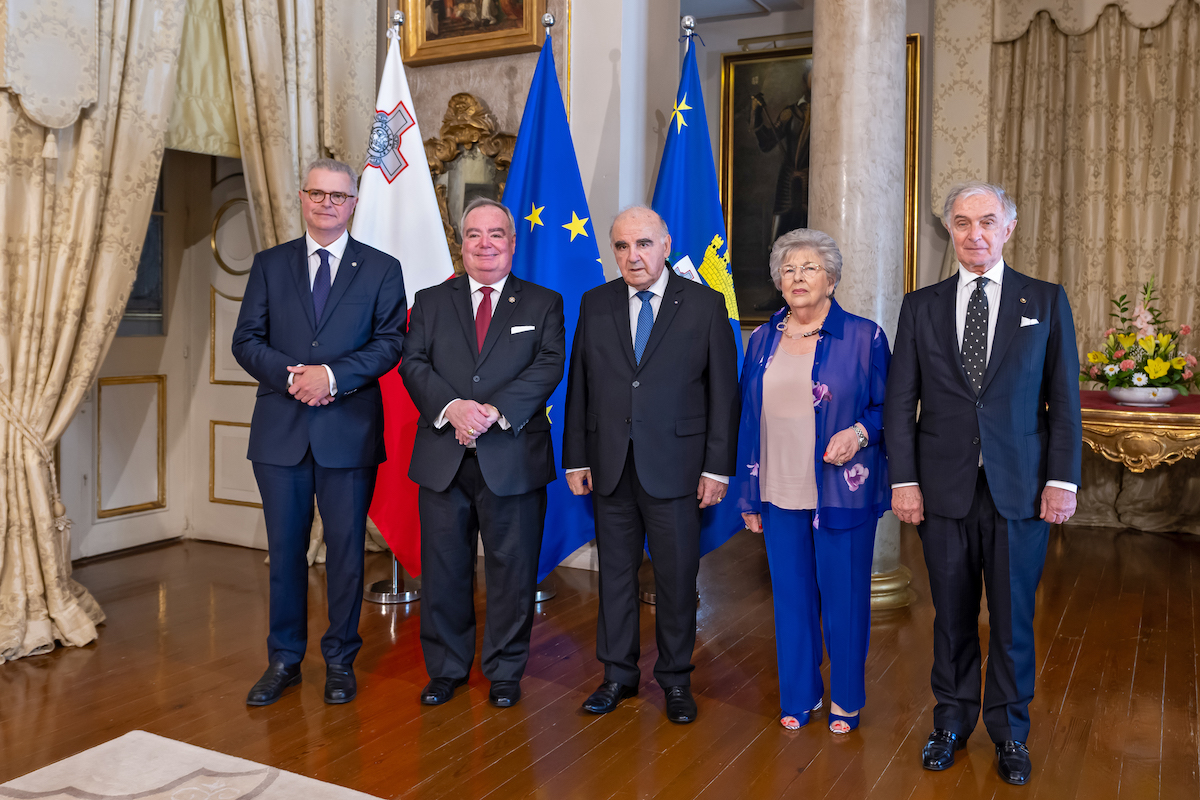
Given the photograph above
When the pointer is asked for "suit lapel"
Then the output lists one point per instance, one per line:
(502, 311)
(620, 312)
(669, 304)
(347, 269)
(1008, 320)
(946, 329)
(466, 315)
(300, 275)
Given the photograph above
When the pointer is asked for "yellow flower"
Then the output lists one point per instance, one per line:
(1147, 343)
(1156, 368)
(1164, 339)
(1096, 357)
(1126, 340)
(1178, 363)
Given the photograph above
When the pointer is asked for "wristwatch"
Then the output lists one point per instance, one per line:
(861, 434)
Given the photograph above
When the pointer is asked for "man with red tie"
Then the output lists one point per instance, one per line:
(484, 352)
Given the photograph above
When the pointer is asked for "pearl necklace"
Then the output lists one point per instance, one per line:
(782, 328)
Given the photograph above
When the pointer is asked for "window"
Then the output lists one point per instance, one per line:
(144, 311)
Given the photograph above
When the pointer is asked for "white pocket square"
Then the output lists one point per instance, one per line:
(523, 328)
(1028, 321)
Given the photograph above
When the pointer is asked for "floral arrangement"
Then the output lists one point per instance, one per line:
(1141, 350)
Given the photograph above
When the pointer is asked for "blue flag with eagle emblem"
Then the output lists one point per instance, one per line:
(556, 247)
(687, 198)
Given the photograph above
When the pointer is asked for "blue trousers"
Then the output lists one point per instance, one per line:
(819, 575)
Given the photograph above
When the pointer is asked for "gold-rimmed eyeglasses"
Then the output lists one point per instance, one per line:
(318, 196)
(807, 270)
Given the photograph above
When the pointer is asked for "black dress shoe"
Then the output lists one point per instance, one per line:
(681, 706)
(340, 686)
(605, 699)
(504, 694)
(272, 683)
(1012, 762)
(440, 690)
(939, 750)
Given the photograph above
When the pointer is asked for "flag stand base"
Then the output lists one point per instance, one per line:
(546, 590)
(395, 590)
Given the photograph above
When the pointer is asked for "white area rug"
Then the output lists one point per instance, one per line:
(147, 767)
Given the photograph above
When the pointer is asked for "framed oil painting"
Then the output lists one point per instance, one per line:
(438, 31)
(766, 122)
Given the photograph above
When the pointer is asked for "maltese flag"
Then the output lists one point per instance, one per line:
(398, 214)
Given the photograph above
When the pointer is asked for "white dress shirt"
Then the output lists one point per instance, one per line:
(476, 299)
(966, 287)
(336, 250)
(657, 289)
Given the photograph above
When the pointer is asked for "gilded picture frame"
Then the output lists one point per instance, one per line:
(441, 31)
(765, 127)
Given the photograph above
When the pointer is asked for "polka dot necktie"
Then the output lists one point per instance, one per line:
(975, 335)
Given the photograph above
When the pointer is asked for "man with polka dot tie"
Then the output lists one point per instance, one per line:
(989, 358)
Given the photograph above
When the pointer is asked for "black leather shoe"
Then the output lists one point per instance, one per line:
(340, 686)
(272, 683)
(1012, 762)
(939, 750)
(504, 694)
(681, 706)
(440, 690)
(605, 699)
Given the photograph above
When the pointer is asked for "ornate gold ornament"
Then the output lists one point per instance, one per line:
(1141, 440)
(467, 124)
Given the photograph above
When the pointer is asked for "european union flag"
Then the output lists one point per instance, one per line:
(687, 198)
(556, 247)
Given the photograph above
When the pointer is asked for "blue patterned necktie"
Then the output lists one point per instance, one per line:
(320, 289)
(975, 335)
(645, 322)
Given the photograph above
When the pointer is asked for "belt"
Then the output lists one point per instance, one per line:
(472, 452)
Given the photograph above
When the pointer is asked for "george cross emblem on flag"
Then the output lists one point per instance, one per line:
(383, 149)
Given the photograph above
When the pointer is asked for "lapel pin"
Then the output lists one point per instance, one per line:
(512, 299)
(1022, 299)
(355, 264)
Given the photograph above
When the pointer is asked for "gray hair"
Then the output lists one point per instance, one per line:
(487, 202)
(962, 191)
(331, 165)
(807, 239)
(661, 223)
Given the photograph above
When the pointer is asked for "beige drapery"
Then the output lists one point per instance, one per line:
(74, 214)
(1097, 137)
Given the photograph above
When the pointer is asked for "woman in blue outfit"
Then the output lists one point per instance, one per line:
(813, 474)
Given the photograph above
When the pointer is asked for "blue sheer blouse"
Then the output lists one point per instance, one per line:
(850, 368)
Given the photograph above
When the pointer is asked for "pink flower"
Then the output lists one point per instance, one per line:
(820, 394)
(1118, 353)
(855, 476)
(1094, 371)
(1142, 320)
(1190, 359)
(816, 519)
(1109, 332)
(753, 469)
(1127, 365)
(1187, 374)
(1184, 330)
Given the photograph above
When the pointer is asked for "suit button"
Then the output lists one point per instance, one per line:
(636, 384)
(979, 404)
(316, 344)
(975, 440)
(475, 378)
(628, 420)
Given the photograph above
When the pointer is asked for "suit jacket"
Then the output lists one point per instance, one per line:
(679, 406)
(1025, 420)
(359, 337)
(521, 363)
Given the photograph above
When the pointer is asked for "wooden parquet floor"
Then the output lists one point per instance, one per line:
(1115, 714)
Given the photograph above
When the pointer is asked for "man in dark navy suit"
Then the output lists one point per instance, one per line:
(322, 319)
(484, 352)
(992, 461)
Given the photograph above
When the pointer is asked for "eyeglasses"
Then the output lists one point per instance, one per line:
(808, 270)
(318, 196)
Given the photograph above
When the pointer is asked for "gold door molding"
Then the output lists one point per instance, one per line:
(212, 464)
(213, 292)
(160, 500)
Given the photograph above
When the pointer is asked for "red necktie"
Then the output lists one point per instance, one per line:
(483, 316)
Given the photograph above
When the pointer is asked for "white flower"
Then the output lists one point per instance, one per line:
(1111, 369)
(1139, 379)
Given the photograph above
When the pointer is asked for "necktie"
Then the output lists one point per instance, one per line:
(975, 335)
(645, 322)
(483, 316)
(320, 289)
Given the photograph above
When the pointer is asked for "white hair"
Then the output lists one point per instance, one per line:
(962, 191)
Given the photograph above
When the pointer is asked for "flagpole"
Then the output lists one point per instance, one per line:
(689, 30)
(406, 589)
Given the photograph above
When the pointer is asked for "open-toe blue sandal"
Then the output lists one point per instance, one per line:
(851, 722)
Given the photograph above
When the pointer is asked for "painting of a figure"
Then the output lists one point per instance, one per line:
(447, 19)
(441, 31)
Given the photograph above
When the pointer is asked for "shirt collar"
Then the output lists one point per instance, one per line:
(498, 286)
(659, 287)
(336, 249)
(994, 274)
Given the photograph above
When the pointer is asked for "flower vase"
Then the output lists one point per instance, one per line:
(1143, 396)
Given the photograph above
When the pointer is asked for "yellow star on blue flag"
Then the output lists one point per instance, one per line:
(677, 116)
(576, 226)
(535, 216)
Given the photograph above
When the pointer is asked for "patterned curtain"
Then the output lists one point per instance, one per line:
(1097, 136)
(73, 214)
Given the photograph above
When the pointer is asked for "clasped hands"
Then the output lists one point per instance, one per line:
(470, 419)
(310, 385)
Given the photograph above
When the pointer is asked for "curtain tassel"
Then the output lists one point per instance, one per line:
(50, 149)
